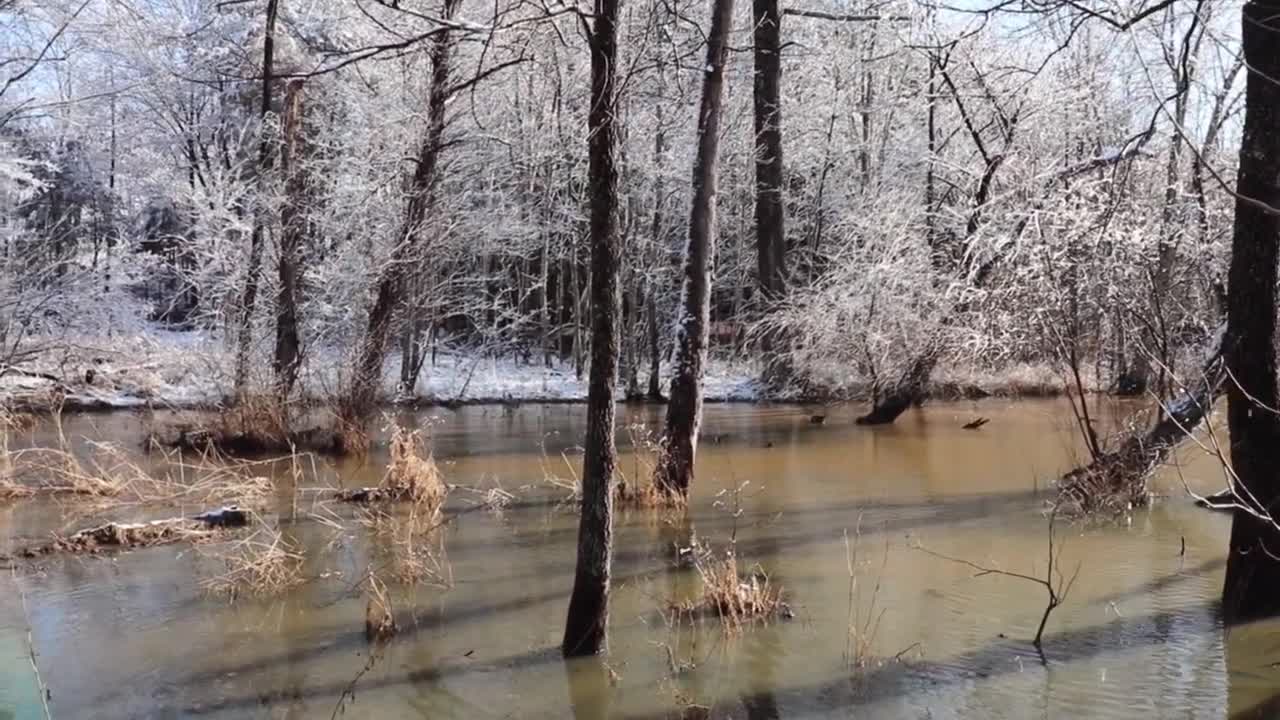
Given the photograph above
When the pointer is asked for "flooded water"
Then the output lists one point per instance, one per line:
(911, 635)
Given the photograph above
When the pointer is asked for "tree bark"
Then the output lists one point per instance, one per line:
(770, 211)
(366, 377)
(586, 627)
(293, 228)
(249, 299)
(654, 391)
(684, 414)
(1252, 587)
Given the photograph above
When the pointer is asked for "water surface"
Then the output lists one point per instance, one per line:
(134, 635)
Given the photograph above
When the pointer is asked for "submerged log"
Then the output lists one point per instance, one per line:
(115, 535)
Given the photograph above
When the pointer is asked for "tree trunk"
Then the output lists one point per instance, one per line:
(1252, 588)
(293, 227)
(586, 627)
(367, 375)
(654, 391)
(770, 210)
(249, 299)
(684, 415)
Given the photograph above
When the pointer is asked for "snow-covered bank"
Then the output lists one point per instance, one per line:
(161, 368)
(155, 367)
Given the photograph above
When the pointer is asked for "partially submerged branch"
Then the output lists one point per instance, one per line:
(1117, 481)
(1055, 584)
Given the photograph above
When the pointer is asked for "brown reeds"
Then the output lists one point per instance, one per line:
(259, 425)
(412, 476)
(1113, 484)
(379, 614)
(738, 600)
(106, 475)
(263, 563)
(413, 545)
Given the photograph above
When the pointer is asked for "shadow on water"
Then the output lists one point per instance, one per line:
(1253, 670)
(637, 563)
(1000, 657)
(589, 690)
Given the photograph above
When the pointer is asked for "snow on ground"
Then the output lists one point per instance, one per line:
(478, 379)
(157, 367)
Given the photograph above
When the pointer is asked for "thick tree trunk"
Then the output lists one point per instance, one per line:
(586, 627)
(770, 209)
(684, 415)
(293, 228)
(366, 376)
(1252, 587)
(249, 298)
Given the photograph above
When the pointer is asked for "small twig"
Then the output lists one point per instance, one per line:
(1055, 585)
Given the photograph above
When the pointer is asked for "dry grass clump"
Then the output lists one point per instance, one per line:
(253, 426)
(642, 491)
(260, 425)
(570, 484)
(379, 615)
(738, 600)
(11, 421)
(108, 475)
(1113, 484)
(413, 545)
(261, 564)
(638, 492)
(412, 476)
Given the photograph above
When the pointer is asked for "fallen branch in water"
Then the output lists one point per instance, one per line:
(1116, 481)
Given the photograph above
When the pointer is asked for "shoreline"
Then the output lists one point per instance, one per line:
(88, 404)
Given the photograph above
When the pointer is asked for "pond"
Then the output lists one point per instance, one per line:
(849, 521)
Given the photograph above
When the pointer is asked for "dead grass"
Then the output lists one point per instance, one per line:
(379, 614)
(1114, 484)
(738, 600)
(16, 422)
(413, 544)
(110, 476)
(259, 425)
(412, 476)
(262, 564)
(107, 475)
(640, 491)
(635, 492)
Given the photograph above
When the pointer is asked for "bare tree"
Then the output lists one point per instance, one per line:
(249, 298)
(684, 415)
(366, 376)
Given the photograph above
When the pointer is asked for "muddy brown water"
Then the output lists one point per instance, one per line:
(133, 635)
